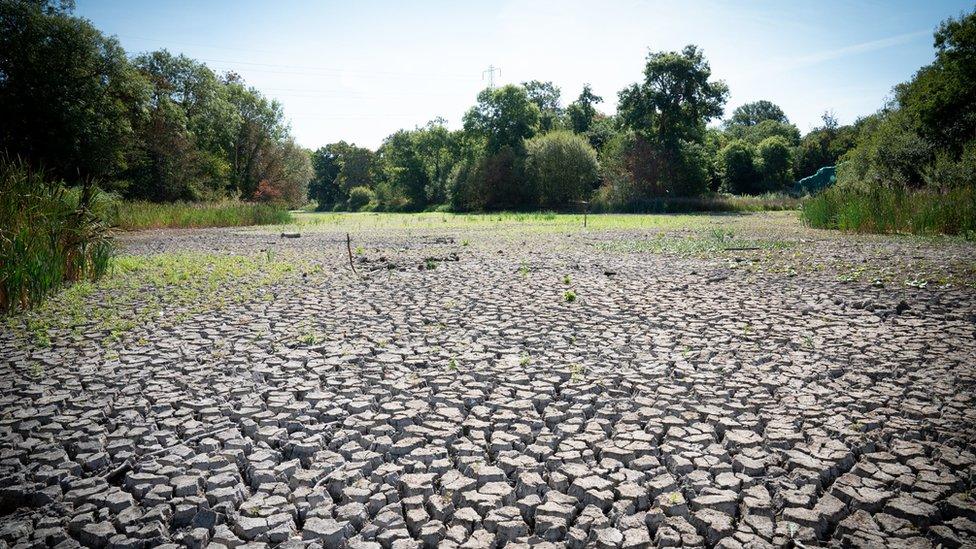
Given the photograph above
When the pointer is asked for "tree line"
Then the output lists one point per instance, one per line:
(521, 148)
(164, 127)
(159, 126)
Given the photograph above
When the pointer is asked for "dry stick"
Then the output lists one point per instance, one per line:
(349, 249)
(128, 463)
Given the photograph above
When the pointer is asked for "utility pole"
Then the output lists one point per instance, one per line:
(491, 75)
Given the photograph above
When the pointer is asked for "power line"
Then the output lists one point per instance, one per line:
(288, 66)
(491, 75)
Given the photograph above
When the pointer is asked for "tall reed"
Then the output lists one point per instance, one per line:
(49, 235)
(884, 210)
(151, 215)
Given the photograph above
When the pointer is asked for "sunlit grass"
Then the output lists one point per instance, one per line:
(696, 243)
(539, 221)
(171, 287)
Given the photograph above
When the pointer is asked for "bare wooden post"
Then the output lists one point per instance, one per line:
(349, 249)
(586, 210)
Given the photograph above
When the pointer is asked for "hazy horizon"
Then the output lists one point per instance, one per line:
(360, 72)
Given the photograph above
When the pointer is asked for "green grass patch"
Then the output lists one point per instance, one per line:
(695, 244)
(168, 287)
(881, 210)
(151, 215)
(542, 222)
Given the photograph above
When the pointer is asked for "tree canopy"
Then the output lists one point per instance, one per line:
(753, 113)
(503, 117)
(675, 99)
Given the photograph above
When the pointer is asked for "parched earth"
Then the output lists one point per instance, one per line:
(473, 387)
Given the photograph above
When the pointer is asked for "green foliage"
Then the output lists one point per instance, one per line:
(180, 150)
(356, 169)
(136, 215)
(823, 146)
(663, 154)
(403, 171)
(889, 153)
(49, 235)
(503, 117)
(562, 167)
(493, 181)
(638, 170)
(940, 100)
(324, 188)
(883, 210)
(438, 150)
(262, 125)
(715, 202)
(775, 164)
(946, 172)
(546, 96)
(569, 296)
(913, 163)
(764, 130)
(675, 100)
(736, 168)
(582, 112)
(360, 197)
(160, 127)
(756, 112)
(69, 99)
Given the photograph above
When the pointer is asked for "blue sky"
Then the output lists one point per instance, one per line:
(361, 70)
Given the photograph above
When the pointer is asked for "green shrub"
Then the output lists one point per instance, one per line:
(49, 235)
(736, 168)
(888, 153)
(636, 169)
(562, 166)
(775, 163)
(360, 197)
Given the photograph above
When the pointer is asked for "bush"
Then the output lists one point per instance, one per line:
(562, 166)
(736, 168)
(889, 153)
(359, 198)
(775, 163)
(636, 169)
(886, 210)
(492, 182)
(49, 235)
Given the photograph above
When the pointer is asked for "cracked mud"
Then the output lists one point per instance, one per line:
(452, 395)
